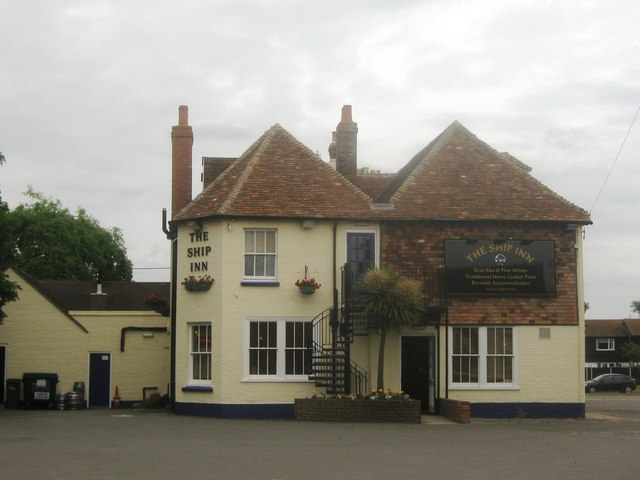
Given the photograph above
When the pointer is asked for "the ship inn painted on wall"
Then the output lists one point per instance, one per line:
(265, 259)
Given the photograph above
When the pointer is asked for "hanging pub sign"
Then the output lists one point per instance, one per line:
(500, 267)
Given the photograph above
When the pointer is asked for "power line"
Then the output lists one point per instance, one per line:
(614, 161)
(150, 268)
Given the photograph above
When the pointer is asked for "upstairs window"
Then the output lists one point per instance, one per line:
(605, 344)
(260, 254)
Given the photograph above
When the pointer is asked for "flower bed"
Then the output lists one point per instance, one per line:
(352, 409)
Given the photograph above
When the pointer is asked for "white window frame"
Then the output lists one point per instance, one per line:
(281, 348)
(610, 347)
(200, 382)
(274, 254)
(482, 383)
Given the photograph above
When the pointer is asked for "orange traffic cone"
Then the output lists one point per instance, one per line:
(116, 399)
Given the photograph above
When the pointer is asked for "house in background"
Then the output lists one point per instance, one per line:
(499, 255)
(603, 346)
(102, 335)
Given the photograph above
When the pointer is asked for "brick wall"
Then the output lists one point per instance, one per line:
(408, 246)
(372, 411)
(456, 410)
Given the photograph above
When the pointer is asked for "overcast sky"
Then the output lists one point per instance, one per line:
(89, 91)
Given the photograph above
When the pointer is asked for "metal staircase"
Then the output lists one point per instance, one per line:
(331, 365)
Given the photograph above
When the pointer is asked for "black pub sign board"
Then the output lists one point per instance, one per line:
(500, 267)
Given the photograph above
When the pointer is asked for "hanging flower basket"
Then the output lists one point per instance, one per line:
(307, 289)
(307, 286)
(200, 284)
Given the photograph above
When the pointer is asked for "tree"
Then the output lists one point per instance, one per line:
(635, 306)
(631, 351)
(8, 289)
(391, 300)
(51, 243)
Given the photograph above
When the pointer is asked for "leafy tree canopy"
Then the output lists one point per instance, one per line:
(50, 243)
(635, 306)
(631, 351)
(8, 289)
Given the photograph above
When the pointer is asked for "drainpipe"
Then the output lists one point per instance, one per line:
(446, 354)
(171, 235)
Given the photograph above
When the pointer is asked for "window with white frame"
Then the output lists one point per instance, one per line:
(278, 349)
(260, 254)
(482, 357)
(200, 344)
(605, 344)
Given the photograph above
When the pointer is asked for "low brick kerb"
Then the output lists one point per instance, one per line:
(345, 410)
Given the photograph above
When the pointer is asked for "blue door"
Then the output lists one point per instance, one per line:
(99, 380)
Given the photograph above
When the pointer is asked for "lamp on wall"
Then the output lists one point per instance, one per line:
(195, 225)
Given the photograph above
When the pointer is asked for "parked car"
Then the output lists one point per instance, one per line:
(615, 382)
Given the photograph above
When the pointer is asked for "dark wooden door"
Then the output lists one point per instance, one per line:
(415, 372)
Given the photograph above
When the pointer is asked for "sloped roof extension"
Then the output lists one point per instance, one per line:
(633, 326)
(69, 295)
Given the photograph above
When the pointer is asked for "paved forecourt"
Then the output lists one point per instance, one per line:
(123, 444)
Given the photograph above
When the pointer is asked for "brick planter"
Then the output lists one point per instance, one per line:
(373, 411)
(455, 410)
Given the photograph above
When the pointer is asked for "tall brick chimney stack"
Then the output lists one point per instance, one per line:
(332, 150)
(181, 161)
(347, 144)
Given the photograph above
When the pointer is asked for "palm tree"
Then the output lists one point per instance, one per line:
(392, 301)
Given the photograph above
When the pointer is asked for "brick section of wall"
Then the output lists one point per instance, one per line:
(456, 410)
(409, 246)
(360, 411)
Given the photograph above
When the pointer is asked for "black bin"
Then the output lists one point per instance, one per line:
(39, 389)
(14, 386)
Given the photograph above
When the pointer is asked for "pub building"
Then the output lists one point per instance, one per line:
(498, 253)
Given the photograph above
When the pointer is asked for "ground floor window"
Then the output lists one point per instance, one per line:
(278, 349)
(482, 357)
(200, 346)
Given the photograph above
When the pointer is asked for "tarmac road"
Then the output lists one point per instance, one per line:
(131, 444)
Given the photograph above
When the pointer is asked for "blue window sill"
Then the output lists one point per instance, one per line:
(260, 284)
(195, 388)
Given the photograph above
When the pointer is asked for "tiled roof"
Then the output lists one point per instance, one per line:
(459, 177)
(279, 177)
(212, 167)
(605, 328)
(77, 295)
(373, 184)
(633, 325)
(455, 177)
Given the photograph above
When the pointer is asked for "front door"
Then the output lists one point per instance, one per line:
(99, 380)
(417, 370)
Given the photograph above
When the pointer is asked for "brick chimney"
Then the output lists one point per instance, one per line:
(347, 144)
(332, 150)
(181, 162)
